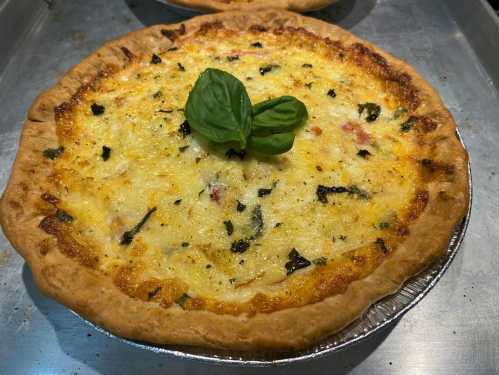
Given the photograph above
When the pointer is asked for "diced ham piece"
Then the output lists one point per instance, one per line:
(217, 191)
(316, 130)
(361, 136)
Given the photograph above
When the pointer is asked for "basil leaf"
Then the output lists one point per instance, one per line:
(279, 115)
(219, 108)
(272, 144)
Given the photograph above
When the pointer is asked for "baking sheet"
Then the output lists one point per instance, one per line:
(453, 329)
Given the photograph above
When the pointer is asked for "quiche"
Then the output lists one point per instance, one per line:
(225, 5)
(128, 216)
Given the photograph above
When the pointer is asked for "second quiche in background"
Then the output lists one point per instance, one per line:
(244, 5)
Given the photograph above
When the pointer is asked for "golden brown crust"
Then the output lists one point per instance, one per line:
(229, 5)
(97, 298)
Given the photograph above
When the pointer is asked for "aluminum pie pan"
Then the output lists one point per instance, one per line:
(377, 316)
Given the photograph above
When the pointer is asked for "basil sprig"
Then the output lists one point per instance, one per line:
(279, 115)
(219, 108)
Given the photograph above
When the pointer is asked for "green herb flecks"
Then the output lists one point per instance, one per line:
(372, 111)
(229, 227)
(128, 236)
(268, 68)
(323, 191)
(407, 125)
(240, 246)
(321, 261)
(182, 300)
(63, 216)
(364, 154)
(155, 59)
(52, 153)
(296, 262)
(97, 109)
(399, 112)
(231, 152)
(382, 245)
(257, 222)
(232, 58)
(240, 207)
(184, 129)
(106, 153)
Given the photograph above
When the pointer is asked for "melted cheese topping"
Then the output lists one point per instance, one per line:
(196, 188)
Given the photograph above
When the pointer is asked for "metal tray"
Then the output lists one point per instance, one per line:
(454, 330)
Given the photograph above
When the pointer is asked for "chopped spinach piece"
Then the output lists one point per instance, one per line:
(184, 129)
(309, 85)
(231, 152)
(296, 262)
(372, 111)
(152, 293)
(183, 148)
(180, 67)
(171, 49)
(257, 221)
(257, 45)
(240, 207)
(182, 300)
(157, 95)
(399, 112)
(268, 68)
(307, 66)
(106, 153)
(331, 93)
(382, 245)
(185, 244)
(240, 246)
(232, 58)
(264, 191)
(63, 216)
(229, 227)
(321, 261)
(407, 125)
(52, 153)
(177, 202)
(383, 225)
(97, 109)
(362, 194)
(364, 154)
(323, 191)
(128, 236)
(155, 59)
